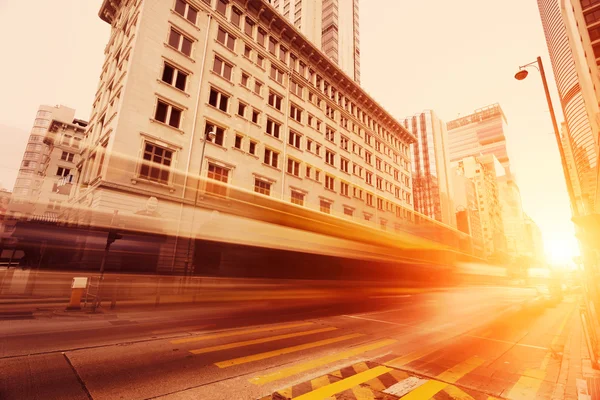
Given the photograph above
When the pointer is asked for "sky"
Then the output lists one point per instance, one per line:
(449, 56)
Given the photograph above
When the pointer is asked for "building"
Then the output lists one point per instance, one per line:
(232, 95)
(534, 241)
(485, 171)
(570, 160)
(332, 25)
(567, 45)
(467, 208)
(513, 217)
(33, 192)
(480, 133)
(432, 187)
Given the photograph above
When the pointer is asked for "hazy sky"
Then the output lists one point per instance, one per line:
(449, 56)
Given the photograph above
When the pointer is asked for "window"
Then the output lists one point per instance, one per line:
(329, 111)
(156, 164)
(247, 51)
(218, 174)
(329, 182)
(357, 192)
(218, 100)
(282, 53)
(378, 163)
(222, 6)
(293, 167)
(379, 181)
(344, 189)
(308, 171)
(261, 186)
(242, 109)
(271, 158)
(369, 177)
(66, 140)
(252, 148)
(168, 114)
(272, 46)
(238, 141)
(330, 134)
(295, 113)
(348, 211)
(236, 16)
(329, 157)
(244, 79)
(186, 11)
(369, 199)
(249, 27)
(273, 128)
(261, 36)
(258, 87)
(297, 197)
(76, 142)
(344, 164)
(65, 156)
(276, 74)
(368, 158)
(222, 68)
(380, 203)
(214, 134)
(294, 139)
(61, 171)
(318, 124)
(275, 100)
(174, 76)
(226, 39)
(310, 120)
(325, 206)
(255, 116)
(302, 69)
(296, 89)
(180, 42)
(260, 61)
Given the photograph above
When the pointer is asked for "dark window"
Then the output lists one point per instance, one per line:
(157, 163)
(242, 109)
(236, 17)
(325, 206)
(161, 111)
(249, 27)
(226, 39)
(174, 77)
(262, 187)
(252, 148)
(214, 134)
(222, 6)
(218, 174)
(297, 197)
(218, 100)
(255, 115)
(293, 167)
(238, 142)
(260, 37)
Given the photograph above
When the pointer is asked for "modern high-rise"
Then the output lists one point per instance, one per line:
(575, 76)
(43, 166)
(211, 97)
(481, 133)
(432, 187)
(332, 25)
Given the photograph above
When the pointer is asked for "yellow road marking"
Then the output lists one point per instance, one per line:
(320, 382)
(261, 340)
(237, 333)
(286, 393)
(410, 357)
(430, 388)
(344, 384)
(296, 369)
(458, 394)
(363, 393)
(527, 386)
(287, 350)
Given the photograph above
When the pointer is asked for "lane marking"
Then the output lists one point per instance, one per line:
(527, 386)
(450, 376)
(344, 384)
(457, 394)
(312, 364)
(182, 329)
(405, 386)
(237, 333)
(287, 350)
(261, 340)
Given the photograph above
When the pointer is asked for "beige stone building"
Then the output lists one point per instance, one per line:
(203, 96)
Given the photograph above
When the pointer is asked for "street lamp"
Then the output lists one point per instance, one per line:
(522, 74)
(210, 135)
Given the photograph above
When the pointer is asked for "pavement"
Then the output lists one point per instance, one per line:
(468, 343)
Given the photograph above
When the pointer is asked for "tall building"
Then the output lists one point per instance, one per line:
(534, 241)
(34, 192)
(467, 209)
(572, 72)
(485, 171)
(432, 188)
(480, 133)
(231, 93)
(332, 25)
(513, 217)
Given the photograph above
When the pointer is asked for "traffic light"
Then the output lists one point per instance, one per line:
(112, 236)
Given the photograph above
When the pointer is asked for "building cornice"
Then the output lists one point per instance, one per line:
(108, 10)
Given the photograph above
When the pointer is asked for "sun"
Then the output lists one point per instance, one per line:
(560, 252)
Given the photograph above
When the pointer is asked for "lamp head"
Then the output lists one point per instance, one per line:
(522, 74)
(211, 135)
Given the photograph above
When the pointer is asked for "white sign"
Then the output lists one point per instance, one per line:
(79, 283)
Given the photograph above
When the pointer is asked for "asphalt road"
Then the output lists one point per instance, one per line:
(469, 343)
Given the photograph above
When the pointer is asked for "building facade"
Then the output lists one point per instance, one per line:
(34, 192)
(431, 179)
(467, 208)
(231, 93)
(513, 217)
(572, 76)
(534, 241)
(332, 25)
(481, 133)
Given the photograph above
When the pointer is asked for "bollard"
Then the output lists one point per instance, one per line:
(78, 286)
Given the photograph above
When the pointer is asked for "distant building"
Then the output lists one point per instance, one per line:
(485, 171)
(467, 208)
(480, 133)
(513, 217)
(534, 241)
(332, 25)
(432, 187)
(43, 166)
